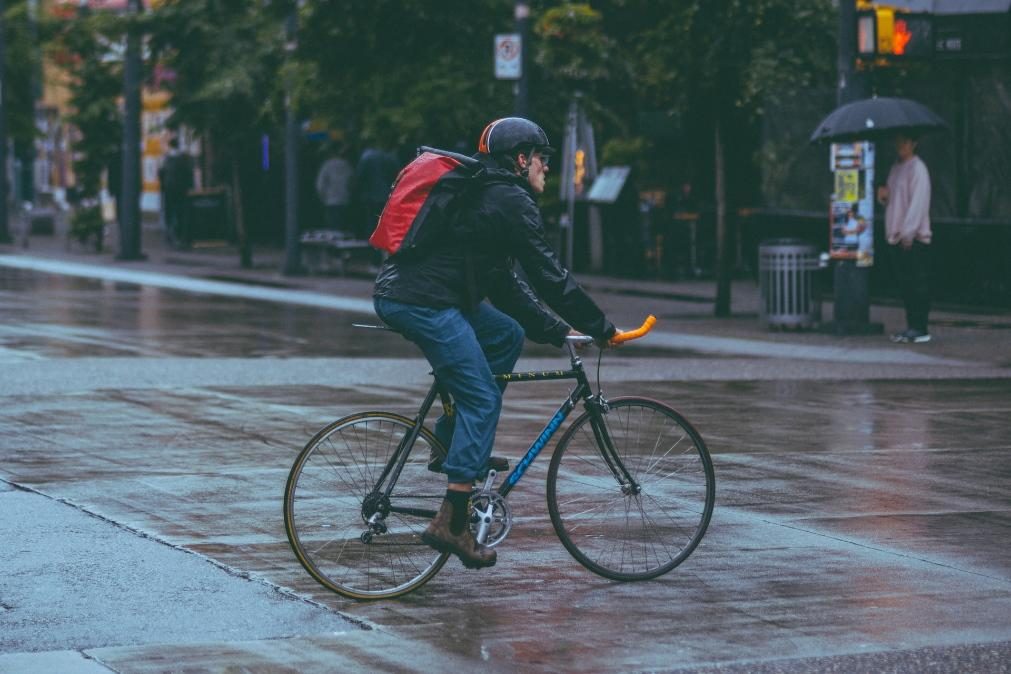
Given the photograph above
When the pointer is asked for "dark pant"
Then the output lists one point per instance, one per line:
(176, 231)
(465, 348)
(336, 218)
(912, 269)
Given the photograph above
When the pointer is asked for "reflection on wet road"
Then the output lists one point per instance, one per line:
(868, 512)
(63, 316)
(851, 516)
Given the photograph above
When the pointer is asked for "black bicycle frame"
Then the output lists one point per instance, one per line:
(582, 391)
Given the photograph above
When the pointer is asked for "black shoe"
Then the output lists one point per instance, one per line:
(499, 464)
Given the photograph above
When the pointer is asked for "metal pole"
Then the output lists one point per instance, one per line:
(522, 16)
(570, 211)
(852, 84)
(292, 256)
(129, 226)
(5, 236)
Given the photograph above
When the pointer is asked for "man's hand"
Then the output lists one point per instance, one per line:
(883, 195)
(580, 346)
(606, 343)
(600, 343)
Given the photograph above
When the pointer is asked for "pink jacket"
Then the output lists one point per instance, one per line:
(907, 215)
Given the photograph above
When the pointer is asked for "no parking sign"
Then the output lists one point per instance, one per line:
(508, 56)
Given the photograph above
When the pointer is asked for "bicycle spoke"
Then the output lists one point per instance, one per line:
(332, 492)
(651, 531)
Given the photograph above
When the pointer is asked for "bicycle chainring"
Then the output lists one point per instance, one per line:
(501, 517)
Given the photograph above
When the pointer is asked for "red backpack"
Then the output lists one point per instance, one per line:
(423, 200)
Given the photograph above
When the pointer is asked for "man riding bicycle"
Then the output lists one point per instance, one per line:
(464, 305)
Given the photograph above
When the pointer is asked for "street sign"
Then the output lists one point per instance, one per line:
(508, 56)
(609, 184)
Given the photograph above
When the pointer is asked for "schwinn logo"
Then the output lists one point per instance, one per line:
(520, 376)
(536, 448)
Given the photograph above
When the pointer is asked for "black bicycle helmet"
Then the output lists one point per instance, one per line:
(510, 134)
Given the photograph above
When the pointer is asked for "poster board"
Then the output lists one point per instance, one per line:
(851, 213)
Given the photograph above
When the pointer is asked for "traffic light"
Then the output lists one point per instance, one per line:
(888, 33)
(912, 35)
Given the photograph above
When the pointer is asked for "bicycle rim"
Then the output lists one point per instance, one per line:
(329, 497)
(627, 536)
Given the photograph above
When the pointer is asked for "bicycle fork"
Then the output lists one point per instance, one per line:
(598, 409)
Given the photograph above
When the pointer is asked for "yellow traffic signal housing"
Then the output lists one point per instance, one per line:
(886, 30)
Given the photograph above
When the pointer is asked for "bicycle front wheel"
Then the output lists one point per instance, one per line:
(640, 530)
(336, 487)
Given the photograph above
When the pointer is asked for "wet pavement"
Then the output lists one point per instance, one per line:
(861, 524)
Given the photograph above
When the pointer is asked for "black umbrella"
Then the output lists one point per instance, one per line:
(876, 118)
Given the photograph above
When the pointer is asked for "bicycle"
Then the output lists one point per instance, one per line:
(630, 489)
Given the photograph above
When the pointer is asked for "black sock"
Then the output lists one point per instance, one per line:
(461, 510)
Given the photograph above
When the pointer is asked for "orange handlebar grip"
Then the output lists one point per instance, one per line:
(646, 326)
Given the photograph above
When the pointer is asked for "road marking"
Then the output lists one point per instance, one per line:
(189, 284)
(701, 343)
(792, 351)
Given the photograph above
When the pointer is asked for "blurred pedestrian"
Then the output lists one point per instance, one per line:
(374, 175)
(333, 186)
(906, 198)
(682, 258)
(176, 180)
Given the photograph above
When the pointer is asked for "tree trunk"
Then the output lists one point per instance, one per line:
(722, 261)
(245, 249)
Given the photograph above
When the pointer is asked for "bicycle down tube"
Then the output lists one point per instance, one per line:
(581, 391)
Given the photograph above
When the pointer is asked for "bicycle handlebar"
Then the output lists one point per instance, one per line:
(646, 326)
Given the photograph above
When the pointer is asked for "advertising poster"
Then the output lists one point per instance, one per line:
(851, 232)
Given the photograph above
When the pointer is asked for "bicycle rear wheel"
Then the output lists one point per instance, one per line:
(612, 530)
(332, 493)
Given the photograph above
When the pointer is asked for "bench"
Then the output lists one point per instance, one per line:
(327, 251)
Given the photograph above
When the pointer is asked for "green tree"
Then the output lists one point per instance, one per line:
(227, 57)
(21, 67)
(82, 45)
(404, 72)
(719, 61)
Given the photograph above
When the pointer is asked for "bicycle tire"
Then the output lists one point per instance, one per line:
(325, 508)
(632, 536)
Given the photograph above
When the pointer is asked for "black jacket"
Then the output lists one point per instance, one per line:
(499, 228)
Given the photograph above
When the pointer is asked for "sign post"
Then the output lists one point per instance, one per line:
(579, 170)
(5, 236)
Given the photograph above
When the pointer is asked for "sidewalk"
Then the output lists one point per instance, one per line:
(684, 308)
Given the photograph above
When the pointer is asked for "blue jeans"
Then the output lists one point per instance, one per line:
(465, 349)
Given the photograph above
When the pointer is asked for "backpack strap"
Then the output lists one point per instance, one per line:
(469, 162)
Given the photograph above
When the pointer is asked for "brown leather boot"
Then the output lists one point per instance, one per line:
(440, 536)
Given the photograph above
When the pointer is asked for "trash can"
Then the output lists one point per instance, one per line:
(786, 276)
(207, 215)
